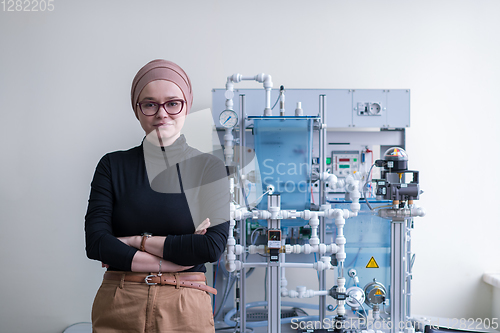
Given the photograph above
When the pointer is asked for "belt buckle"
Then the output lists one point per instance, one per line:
(146, 279)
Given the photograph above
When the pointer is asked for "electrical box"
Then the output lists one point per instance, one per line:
(358, 108)
(345, 163)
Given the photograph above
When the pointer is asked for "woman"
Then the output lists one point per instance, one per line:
(145, 214)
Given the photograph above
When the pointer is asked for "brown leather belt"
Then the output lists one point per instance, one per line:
(187, 280)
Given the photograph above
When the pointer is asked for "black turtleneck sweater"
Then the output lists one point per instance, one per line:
(131, 193)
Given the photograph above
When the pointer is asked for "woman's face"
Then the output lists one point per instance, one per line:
(167, 127)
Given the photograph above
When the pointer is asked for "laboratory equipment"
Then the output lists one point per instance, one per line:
(303, 193)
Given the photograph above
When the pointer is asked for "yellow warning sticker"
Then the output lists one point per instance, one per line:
(379, 292)
(372, 263)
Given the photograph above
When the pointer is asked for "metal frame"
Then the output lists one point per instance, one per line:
(398, 274)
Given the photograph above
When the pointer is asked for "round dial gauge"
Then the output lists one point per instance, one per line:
(228, 118)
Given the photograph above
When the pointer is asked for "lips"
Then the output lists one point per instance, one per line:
(163, 124)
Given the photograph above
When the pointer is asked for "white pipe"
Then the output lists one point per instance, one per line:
(297, 249)
(337, 248)
(302, 292)
(228, 146)
(265, 264)
(306, 248)
(229, 94)
(352, 187)
(340, 240)
(241, 213)
(322, 293)
(314, 223)
(341, 289)
(238, 250)
(296, 265)
(339, 216)
(231, 187)
(260, 214)
(285, 214)
(268, 85)
(261, 78)
(254, 264)
(404, 213)
(283, 282)
(330, 179)
(230, 255)
(254, 249)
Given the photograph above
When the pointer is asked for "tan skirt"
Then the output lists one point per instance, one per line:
(122, 306)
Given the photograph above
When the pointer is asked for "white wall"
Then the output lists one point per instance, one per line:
(64, 90)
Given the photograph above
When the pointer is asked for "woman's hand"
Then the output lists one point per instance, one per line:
(170, 267)
(154, 245)
(202, 228)
(145, 262)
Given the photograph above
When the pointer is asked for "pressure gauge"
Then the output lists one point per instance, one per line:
(228, 118)
(375, 293)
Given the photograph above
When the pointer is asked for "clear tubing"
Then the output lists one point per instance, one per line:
(228, 321)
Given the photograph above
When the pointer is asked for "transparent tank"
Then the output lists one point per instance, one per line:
(368, 246)
(283, 146)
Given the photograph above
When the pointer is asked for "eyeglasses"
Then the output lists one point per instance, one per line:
(172, 107)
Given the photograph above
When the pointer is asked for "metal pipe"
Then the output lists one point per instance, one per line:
(243, 308)
(408, 268)
(398, 269)
(274, 272)
(322, 198)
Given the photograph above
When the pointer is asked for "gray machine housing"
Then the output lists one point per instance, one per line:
(346, 108)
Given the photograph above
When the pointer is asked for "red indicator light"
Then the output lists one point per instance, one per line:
(344, 159)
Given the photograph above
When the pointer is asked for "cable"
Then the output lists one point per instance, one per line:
(361, 305)
(240, 180)
(254, 240)
(355, 259)
(364, 187)
(229, 285)
(386, 206)
(265, 286)
(296, 309)
(263, 194)
(249, 188)
(312, 195)
(230, 328)
(383, 308)
(279, 95)
(231, 279)
(215, 280)
(228, 321)
(253, 232)
(317, 272)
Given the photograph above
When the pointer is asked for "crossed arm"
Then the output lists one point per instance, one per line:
(177, 252)
(149, 261)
